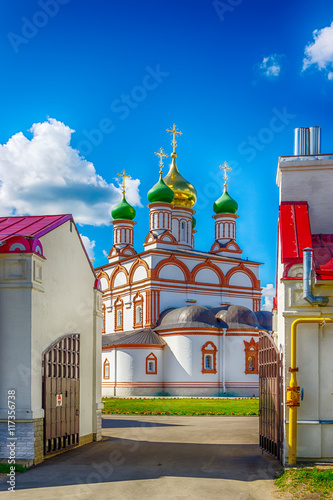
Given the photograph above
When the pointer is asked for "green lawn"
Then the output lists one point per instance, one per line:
(303, 483)
(186, 406)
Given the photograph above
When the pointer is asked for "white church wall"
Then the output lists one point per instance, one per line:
(120, 279)
(171, 299)
(171, 272)
(206, 275)
(235, 299)
(104, 284)
(237, 381)
(178, 358)
(190, 263)
(131, 377)
(240, 279)
(183, 359)
(224, 266)
(139, 274)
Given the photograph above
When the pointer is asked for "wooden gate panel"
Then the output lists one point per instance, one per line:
(270, 396)
(61, 377)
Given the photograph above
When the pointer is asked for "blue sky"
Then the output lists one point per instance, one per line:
(230, 74)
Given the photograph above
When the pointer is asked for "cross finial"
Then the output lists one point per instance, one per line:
(174, 132)
(161, 155)
(225, 176)
(123, 175)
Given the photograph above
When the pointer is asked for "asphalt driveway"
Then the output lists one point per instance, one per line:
(162, 457)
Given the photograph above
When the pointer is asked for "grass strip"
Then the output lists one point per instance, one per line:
(177, 406)
(303, 482)
(5, 467)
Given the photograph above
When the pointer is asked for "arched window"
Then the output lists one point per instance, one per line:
(183, 231)
(103, 312)
(138, 311)
(151, 364)
(106, 369)
(209, 351)
(118, 315)
(251, 356)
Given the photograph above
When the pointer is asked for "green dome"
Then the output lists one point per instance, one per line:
(160, 193)
(123, 211)
(194, 222)
(225, 204)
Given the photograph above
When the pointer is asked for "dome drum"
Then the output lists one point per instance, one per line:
(123, 233)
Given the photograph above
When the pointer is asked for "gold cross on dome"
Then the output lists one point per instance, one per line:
(225, 176)
(123, 175)
(161, 155)
(174, 132)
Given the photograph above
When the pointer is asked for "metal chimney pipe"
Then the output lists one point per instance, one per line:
(308, 280)
(301, 143)
(315, 140)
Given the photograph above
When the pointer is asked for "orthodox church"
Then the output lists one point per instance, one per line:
(179, 321)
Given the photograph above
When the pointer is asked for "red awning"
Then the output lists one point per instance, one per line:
(295, 235)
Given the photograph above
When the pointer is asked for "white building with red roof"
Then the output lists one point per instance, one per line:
(305, 293)
(50, 331)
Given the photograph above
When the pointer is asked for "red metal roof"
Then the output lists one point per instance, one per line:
(322, 245)
(35, 226)
(295, 235)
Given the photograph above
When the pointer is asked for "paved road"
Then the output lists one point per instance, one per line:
(158, 458)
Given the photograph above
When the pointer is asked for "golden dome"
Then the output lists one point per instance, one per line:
(185, 193)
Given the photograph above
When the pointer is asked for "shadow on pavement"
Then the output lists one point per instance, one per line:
(122, 424)
(115, 459)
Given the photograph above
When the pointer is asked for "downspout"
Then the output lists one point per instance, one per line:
(220, 365)
(223, 366)
(308, 280)
(293, 391)
(115, 372)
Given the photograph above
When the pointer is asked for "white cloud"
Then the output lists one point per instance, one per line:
(45, 175)
(105, 253)
(268, 293)
(89, 246)
(271, 66)
(320, 51)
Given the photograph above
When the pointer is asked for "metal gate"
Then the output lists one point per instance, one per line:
(270, 396)
(61, 394)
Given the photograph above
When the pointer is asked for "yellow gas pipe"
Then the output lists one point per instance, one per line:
(293, 391)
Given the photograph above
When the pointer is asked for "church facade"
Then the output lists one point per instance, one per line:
(179, 321)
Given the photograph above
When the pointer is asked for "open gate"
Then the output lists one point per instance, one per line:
(61, 394)
(270, 396)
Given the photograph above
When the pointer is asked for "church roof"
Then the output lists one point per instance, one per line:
(239, 317)
(145, 337)
(35, 226)
(228, 316)
(198, 316)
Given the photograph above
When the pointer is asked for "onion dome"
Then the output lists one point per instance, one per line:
(123, 211)
(160, 193)
(225, 204)
(185, 194)
(194, 222)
